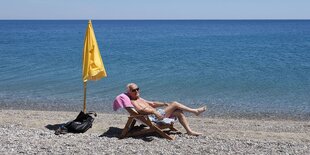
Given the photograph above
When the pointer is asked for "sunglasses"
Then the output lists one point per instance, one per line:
(134, 90)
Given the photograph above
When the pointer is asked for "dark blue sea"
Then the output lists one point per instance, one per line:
(238, 68)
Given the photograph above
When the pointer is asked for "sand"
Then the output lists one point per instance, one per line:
(31, 132)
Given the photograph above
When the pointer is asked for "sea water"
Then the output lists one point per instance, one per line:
(243, 68)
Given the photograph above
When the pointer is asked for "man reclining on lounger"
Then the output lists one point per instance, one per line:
(174, 108)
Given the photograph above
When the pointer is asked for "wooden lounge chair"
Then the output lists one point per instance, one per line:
(151, 126)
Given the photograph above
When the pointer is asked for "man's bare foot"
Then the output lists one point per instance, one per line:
(193, 133)
(201, 110)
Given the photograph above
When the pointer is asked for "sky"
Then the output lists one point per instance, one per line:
(154, 9)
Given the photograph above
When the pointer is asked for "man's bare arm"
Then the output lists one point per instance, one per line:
(146, 110)
(156, 104)
(137, 106)
(160, 104)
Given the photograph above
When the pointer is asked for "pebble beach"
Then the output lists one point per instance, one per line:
(32, 132)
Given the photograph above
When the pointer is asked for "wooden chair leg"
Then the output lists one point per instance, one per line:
(152, 128)
(172, 128)
(127, 127)
(158, 130)
(132, 124)
(162, 133)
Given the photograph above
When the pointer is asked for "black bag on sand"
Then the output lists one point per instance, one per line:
(82, 122)
(80, 125)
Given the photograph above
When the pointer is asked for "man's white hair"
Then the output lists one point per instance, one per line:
(129, 85)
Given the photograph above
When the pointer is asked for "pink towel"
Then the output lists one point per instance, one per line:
(121, 101)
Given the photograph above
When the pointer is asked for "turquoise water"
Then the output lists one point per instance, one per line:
(251, 68)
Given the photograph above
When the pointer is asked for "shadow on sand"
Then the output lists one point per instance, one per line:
(115, 132)
(54, 126)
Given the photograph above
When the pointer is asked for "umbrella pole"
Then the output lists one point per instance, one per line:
(84, 108)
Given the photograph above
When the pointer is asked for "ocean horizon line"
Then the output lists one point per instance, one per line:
(261, 19)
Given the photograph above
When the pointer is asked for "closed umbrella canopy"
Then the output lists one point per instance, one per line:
(93, 68)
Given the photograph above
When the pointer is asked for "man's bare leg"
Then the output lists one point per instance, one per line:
(184, 123)
(178, 106)
(201, 110)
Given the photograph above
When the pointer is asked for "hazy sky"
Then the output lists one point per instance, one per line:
(155, 9)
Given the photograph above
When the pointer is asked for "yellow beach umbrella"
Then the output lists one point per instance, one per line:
(93, 68)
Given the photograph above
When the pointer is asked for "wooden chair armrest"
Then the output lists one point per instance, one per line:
(135, 116)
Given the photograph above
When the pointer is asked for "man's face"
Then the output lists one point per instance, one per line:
(134, 91)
